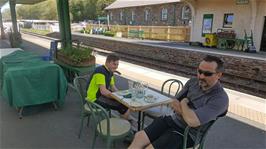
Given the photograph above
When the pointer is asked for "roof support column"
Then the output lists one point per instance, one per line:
(12, 4)
(15, 37)
(2, 26)
(64, 22)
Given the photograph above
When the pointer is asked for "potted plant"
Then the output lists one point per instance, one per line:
(77, 56)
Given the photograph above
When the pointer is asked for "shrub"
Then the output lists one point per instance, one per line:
(109, 33)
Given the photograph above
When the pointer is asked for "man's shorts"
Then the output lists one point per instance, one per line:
(111, 104)
(163, 134)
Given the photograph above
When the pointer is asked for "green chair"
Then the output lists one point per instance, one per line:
(80, 84)
(110, 129)
(199, 143)
(170, 88)
(200, 139)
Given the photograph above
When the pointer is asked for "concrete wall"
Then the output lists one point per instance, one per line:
(246, 17)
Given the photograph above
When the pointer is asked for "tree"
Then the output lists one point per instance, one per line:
(101, 5)
(45, 10)
(79, 10)
(6, 15)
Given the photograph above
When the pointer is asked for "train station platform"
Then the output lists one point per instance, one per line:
(249, 108)
(243, 127)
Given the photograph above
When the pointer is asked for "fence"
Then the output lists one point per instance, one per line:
(169, 33)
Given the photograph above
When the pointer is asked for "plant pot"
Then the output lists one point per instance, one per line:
(83, 63)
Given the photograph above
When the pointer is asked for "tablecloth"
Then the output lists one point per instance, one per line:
(28, 80)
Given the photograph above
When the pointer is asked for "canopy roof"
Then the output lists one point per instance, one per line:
(2, 2)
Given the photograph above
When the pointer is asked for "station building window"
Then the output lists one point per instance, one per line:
(228, 20)
(186, 13)
(146, 14)
(164, 14)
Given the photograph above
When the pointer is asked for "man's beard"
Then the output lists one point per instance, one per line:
(203, 84)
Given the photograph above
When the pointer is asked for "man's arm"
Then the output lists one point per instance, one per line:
(113, 88)
(104, 91)
(188, 114)
(175, 105)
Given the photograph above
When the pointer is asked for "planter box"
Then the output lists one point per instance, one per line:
(84, 63)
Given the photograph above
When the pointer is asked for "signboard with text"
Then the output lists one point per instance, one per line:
(242, 2)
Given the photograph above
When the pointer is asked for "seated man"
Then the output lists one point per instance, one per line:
(202, 100)
(102, 83)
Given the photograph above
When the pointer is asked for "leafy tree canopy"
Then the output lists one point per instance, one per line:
(79, 10)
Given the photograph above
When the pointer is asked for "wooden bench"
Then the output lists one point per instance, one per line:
(136, 34)
(230, 43)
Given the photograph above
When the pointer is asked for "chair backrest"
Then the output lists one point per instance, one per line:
(171, 87)
(202, 132)
(80, 86)
(99, 114)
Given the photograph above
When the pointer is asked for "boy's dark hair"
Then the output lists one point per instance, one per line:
(219, 62)
(112, 58)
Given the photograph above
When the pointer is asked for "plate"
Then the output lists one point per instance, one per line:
(150, 98)
(123, 93)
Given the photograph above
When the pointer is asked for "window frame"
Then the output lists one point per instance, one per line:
(133, 15)
(146, 15)
(225, 19)
(111, 16)
(121, 15)
(164, 14)
(184, 16)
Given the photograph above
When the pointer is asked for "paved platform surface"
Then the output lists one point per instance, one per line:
(249, 108)
(241, 129)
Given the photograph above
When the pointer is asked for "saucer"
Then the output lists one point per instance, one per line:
(123, 93)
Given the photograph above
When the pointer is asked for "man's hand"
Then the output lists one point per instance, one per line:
(176, 106)
(185, 101)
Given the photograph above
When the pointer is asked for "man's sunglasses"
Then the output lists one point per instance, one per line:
(206, 73)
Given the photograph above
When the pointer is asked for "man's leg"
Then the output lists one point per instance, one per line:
(126, 114)
(149, 134)
(140, 140)
(114, 105)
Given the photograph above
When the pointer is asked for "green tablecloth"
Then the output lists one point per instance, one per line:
(28, 80)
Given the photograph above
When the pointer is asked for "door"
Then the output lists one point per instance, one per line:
(263, 39)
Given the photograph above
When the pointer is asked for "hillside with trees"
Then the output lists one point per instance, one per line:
(79, 10)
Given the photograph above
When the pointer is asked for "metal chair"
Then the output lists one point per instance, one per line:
(200, 139)
(110, 129)
(170, 88)
(80, 84)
